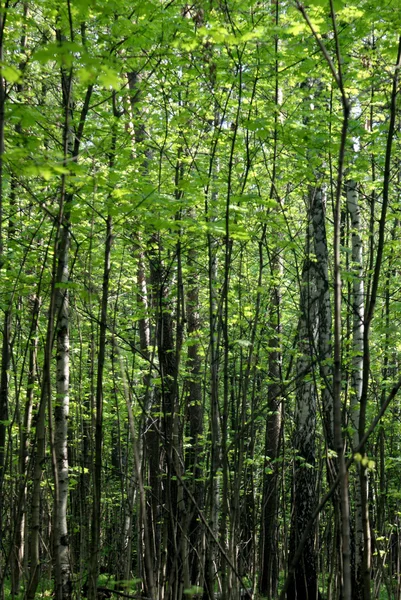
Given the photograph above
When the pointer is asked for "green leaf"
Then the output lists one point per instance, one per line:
(110, 78)
(10, 73)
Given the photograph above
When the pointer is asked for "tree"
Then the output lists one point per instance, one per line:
(185, 383)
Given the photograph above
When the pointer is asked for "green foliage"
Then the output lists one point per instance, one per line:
(204, 132)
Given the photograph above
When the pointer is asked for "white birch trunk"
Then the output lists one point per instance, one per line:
(61, 413)
(324, 345)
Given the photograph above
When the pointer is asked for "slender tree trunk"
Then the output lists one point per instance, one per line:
(88, 413)
(18, 553)
(324, 346)
(35, 521)
(39, 453)
(195, 418)
(151, 542)
(93, 570)
(268, 580)
(59, 439)
(370, 309)
(5, 352)
(269, 567)
(18, 542)
(144, 343)
(304, 581)
(213, 491)
(357, 374)
(168, 357)
(97, 474)
(149, 581)
(63, 584)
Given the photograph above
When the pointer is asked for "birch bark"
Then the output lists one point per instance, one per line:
(324, 345)
(63, 586)
(71, 147)
(61, 413)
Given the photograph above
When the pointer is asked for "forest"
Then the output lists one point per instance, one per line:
(200, 299)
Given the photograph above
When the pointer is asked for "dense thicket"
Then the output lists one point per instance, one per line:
(200, 307)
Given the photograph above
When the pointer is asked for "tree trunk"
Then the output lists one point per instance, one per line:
(63, 586)
(269, 566)
(215, 460)
(5, 352)
(195, 420)
(18, 552)
(39, 453)
(97, 474)
(269, 570)
(304, 580)
(357, 374)
(19, 533)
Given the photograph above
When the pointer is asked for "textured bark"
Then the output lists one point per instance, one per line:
(324, 344)
(35, 521)
(269, 575)
(171, 441)
(18, 556)
(59, 438)
(38, 454)
(5, 352)
(304, 581)
(58, 309)
(93, 570)
(269, 568)
(144, 432)
(151, 517)
(63, 587)
(152, 453)
(195, 426)
(356, 376)
(213, 501)
(168, 342)
(370, 309)
(214, 488)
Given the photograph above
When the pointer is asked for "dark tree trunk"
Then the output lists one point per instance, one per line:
(195, 425)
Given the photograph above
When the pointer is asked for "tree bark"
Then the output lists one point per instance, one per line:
(269, 567)
(5, 352)
(357, 376)
(195, 421)
(304, 580)
(97, 473)
(63, 586)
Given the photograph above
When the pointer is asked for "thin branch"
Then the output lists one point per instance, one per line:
(322, 47)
